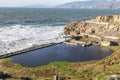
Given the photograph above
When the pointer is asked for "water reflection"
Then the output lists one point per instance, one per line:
(60, 52)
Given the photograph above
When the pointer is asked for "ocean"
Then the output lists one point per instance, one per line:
(22, 28)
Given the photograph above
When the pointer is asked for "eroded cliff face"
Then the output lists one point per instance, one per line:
(100, 26)
(110, 18)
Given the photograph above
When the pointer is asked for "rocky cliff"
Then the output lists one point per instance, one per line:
(103, 30)
(101, 26)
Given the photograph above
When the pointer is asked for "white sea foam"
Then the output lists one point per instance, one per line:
(19, 37)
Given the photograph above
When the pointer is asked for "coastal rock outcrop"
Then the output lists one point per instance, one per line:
(102, 27)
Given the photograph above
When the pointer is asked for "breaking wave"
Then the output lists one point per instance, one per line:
(18, 37)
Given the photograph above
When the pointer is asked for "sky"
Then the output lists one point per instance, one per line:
(13, 3)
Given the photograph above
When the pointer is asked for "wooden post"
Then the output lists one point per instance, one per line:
(56, 77)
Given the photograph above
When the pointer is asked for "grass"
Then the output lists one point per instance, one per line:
(91, 70)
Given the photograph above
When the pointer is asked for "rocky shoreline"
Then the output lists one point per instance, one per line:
(102, 31)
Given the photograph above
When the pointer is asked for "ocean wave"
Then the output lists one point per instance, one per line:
(18, 37)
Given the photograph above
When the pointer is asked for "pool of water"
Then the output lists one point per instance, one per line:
(61, 52)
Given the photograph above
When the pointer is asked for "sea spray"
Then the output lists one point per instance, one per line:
(19, 37)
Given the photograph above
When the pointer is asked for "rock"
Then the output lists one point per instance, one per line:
(76, 37)
(113, 77)
(100, 27)
(105, 43)
(96, 43)
(112, 43)
(108, 19)
(85, 36)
